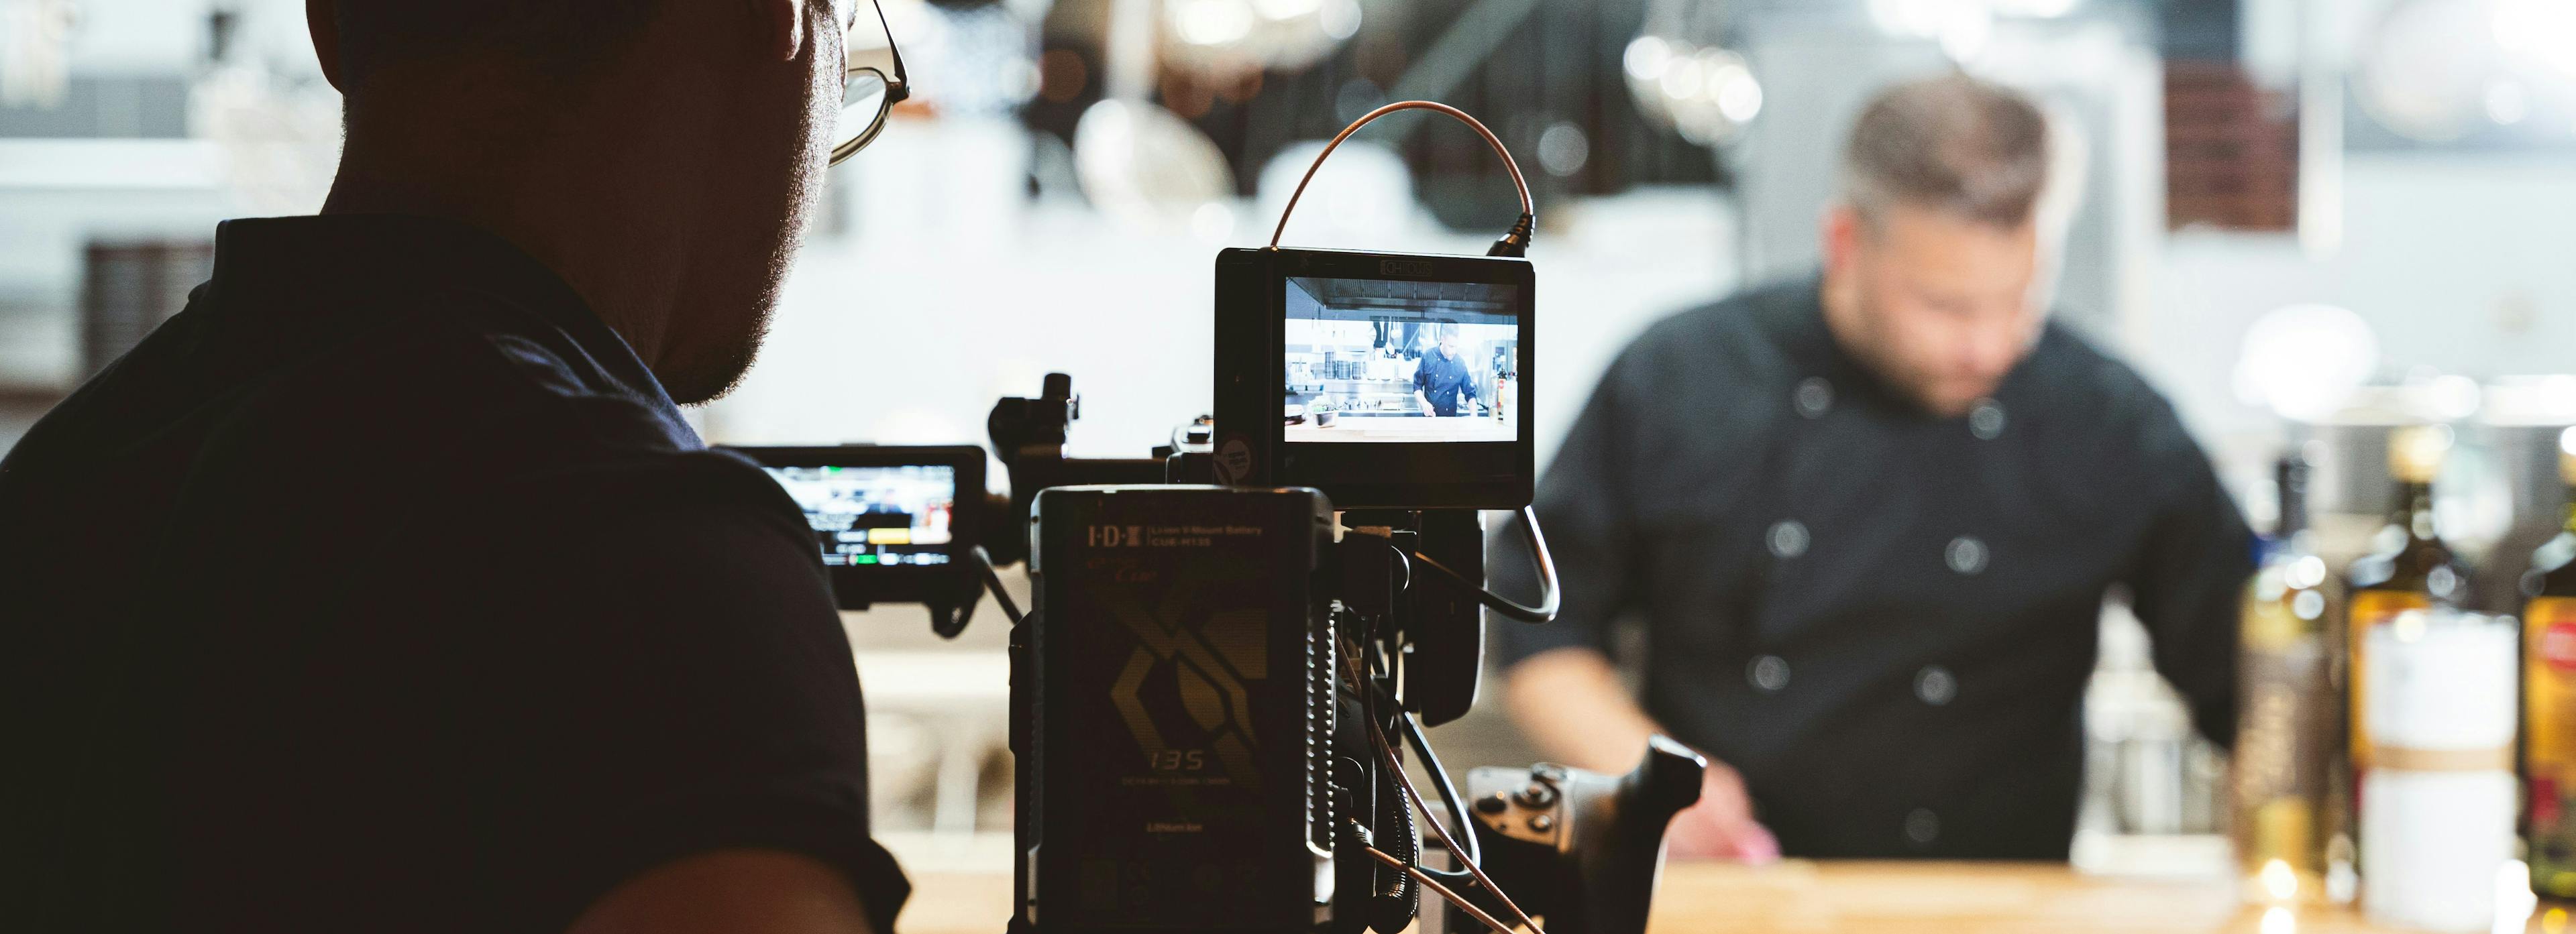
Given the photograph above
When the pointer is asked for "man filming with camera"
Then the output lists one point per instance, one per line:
(1869, 519)
(385, 588)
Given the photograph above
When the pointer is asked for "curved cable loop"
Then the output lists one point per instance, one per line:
(1529, 210)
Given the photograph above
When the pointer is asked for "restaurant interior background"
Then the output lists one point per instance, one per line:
(2283, 196)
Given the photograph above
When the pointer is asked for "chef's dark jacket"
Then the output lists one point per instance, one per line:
(1884, 619)
(383, 588)
(1442, 379)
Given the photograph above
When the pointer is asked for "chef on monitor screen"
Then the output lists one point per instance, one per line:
(1443, 377)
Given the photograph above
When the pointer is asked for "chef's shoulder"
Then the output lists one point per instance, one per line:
(1725, 357)
(2095, 406)
(1692, 402)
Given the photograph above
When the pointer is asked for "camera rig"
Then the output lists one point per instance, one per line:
(1393, 642)
(1220, 672)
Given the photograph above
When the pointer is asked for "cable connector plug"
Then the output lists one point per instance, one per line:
(1357, 835)
(1516, 241)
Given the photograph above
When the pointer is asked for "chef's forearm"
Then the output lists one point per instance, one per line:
(1575, 709)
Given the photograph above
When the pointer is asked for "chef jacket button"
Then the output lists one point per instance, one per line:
(1986, 421)
(1966, 554)
(1935, 685)
(1788, 538)
(1922, 826)
(1769, 673)
(1814, 397)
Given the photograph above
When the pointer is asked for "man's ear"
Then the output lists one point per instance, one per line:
(1839, 233)
(782, 27)
(322, 21)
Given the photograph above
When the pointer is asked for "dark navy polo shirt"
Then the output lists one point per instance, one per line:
(383, 588)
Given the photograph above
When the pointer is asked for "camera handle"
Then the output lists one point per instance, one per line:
(1582, 848)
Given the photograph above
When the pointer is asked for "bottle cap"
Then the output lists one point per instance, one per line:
(2415, 452)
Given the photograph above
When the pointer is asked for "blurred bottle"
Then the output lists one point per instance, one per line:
(2549, 702)
(2289, 725)
(2409, 567)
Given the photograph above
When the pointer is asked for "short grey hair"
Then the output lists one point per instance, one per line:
(1964, 147)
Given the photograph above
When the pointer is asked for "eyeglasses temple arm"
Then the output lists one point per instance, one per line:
(902, 83)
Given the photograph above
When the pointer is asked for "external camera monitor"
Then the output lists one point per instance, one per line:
(892, 524)
(1394, 381)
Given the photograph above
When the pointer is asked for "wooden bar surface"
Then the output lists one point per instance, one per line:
(1804, 897)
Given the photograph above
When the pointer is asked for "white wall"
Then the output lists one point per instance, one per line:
(58, 195)
(2464, 263)
(160, 37)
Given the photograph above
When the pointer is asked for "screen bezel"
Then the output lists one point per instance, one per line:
(856, 587)
(1408, 475)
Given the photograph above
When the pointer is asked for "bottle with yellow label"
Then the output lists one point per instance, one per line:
(2288, 714)
(2549, 702)
(2409, 567)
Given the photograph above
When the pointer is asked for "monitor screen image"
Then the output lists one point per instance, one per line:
(875, 516)
(1388, 361)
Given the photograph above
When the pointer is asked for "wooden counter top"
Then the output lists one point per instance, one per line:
(1801, 897)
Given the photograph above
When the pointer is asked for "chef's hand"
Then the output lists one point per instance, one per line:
(1721, 825)
(1428, 410)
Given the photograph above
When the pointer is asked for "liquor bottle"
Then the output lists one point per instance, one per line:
(2549, 702)
(2409, 567)
(2288, 727)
